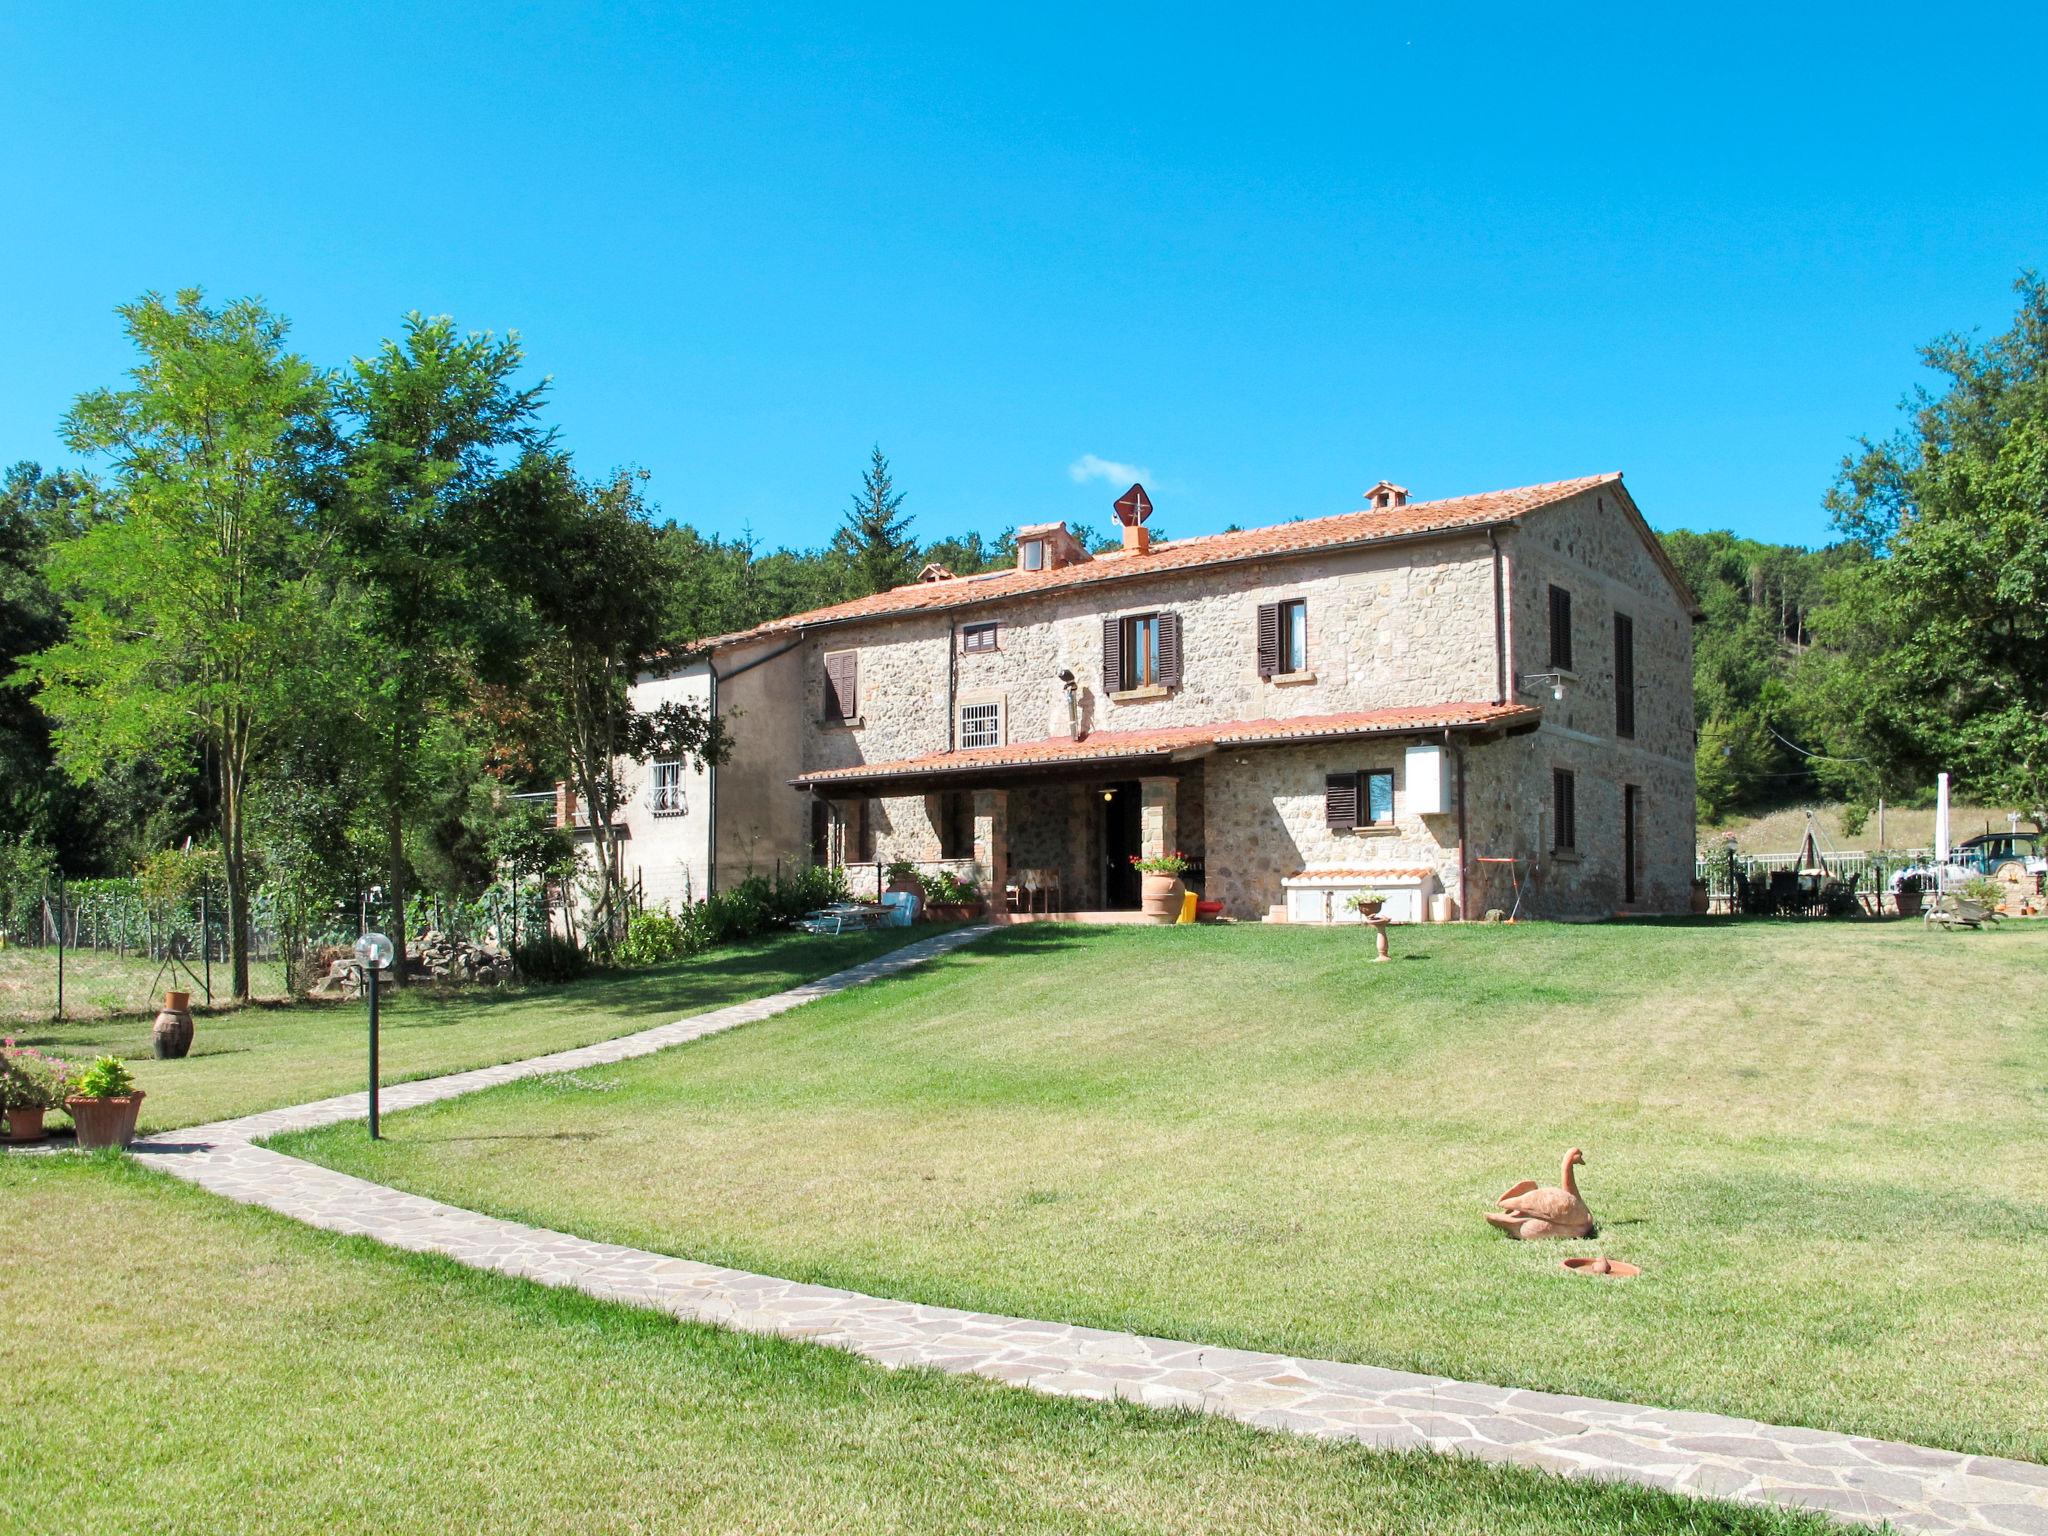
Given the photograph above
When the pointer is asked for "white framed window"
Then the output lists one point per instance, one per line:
(665, 789)
(981, 723)
(1032, 554)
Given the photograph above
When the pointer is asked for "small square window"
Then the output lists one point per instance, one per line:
(981, 725)
(978, 637)
(1031, 554)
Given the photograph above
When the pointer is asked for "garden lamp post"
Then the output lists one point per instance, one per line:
(373, 953)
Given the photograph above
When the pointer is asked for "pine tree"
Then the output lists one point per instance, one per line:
(876, 540)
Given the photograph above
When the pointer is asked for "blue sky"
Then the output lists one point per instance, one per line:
(1265, 258)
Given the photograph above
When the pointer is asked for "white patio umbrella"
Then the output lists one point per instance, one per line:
(1941, 832)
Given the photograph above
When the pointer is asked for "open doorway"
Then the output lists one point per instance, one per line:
(1122, 839)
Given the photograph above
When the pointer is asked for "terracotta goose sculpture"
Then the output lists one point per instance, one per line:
(1527, 1211)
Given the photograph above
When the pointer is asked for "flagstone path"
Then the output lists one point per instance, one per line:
(1914, 1487)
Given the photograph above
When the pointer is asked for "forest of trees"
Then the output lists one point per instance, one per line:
(325, 620)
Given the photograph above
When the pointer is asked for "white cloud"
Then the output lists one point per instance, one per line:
(1089, 467)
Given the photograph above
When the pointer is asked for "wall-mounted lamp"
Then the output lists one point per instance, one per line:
(1109, 794)
(1536, 682)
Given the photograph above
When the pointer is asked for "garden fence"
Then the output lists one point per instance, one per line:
(83, 948)
(1873, 869)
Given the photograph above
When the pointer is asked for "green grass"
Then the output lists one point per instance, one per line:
(176, 1364)
(263, 1057)
(1822, 1143)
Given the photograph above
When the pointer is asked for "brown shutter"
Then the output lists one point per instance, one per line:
(842, 685)
(1269, 639)
(1112, 655)
(1169, 649)
(1624, 675)
(1561, 629)
(1340, 801)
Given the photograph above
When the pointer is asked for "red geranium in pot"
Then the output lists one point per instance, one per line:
(31, 1084)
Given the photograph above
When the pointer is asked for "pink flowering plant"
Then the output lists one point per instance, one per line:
(1174, 863)
(31, 1079)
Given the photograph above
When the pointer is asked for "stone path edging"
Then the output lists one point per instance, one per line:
(1917, 1488)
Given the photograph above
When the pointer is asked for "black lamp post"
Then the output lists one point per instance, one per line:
(373, 953)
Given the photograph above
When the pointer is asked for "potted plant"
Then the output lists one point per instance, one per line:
(1702, 898)
(949, 899)
(171, 1036)
(903, 877)
(103, 1104)
(1366, 903)
(1161, 885)
(1906, 895)
(31, 1085)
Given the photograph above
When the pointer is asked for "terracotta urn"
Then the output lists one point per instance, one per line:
(1702, 901)
(25, 1124)
(1908, 903)
(171, 1037)
(104, 1122)
(1161, 895)
(1367, 909)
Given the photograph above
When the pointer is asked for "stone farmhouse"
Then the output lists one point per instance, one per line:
(1455, 702)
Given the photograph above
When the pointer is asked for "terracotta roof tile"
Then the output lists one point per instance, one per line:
(1347, 529)
(1164, 741)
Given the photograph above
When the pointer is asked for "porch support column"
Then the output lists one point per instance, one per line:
(1159, 826)
(992, 843)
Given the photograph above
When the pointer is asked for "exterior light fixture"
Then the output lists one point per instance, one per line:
(1109, 794)
(373, 954)
(1536, 682)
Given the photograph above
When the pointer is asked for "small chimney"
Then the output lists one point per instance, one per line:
(1387, 495)
(1137, 539)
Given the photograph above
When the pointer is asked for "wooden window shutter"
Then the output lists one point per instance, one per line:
(1169, 649)
(1269, 639)
(842, 685)
(1112, 655)
(1561, 629)
(1340, 801)
(1624, 675)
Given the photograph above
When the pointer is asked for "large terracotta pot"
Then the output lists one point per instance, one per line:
(171, 1037)
(105, 1122)
(25, 1124)
(1702, 901)
(1908, 903)
(1367, 909)
(1161, 895)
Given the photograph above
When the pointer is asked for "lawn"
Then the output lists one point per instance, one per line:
(182, 1365)
(265, 1056)
(1822, 1143)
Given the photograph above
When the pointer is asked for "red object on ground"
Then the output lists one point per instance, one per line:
(1208, 909)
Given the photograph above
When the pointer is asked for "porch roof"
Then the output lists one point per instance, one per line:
(1179, 742)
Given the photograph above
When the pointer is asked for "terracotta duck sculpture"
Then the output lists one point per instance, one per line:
(1527, 1211)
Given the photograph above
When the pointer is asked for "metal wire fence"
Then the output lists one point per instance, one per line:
(88, 948)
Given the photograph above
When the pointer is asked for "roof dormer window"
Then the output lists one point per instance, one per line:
(1031, 554)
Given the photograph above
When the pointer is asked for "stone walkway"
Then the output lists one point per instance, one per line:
(1916, 1488)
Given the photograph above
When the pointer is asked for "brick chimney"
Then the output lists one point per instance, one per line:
(1137, 539)
(1386, 495)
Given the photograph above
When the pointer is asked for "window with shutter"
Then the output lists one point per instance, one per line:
(842, 685)
(1378, 800)
(1294, 636)
(1169, 649)
(1564, 810)
(1624, 675)
(1269, 639)
(1561, 629)
(1112, 655)
(1340, 801)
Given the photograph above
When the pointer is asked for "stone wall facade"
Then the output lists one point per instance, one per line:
(1415, 624)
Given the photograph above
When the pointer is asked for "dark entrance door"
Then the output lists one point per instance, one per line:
(1631, 812)
(1122, 838)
